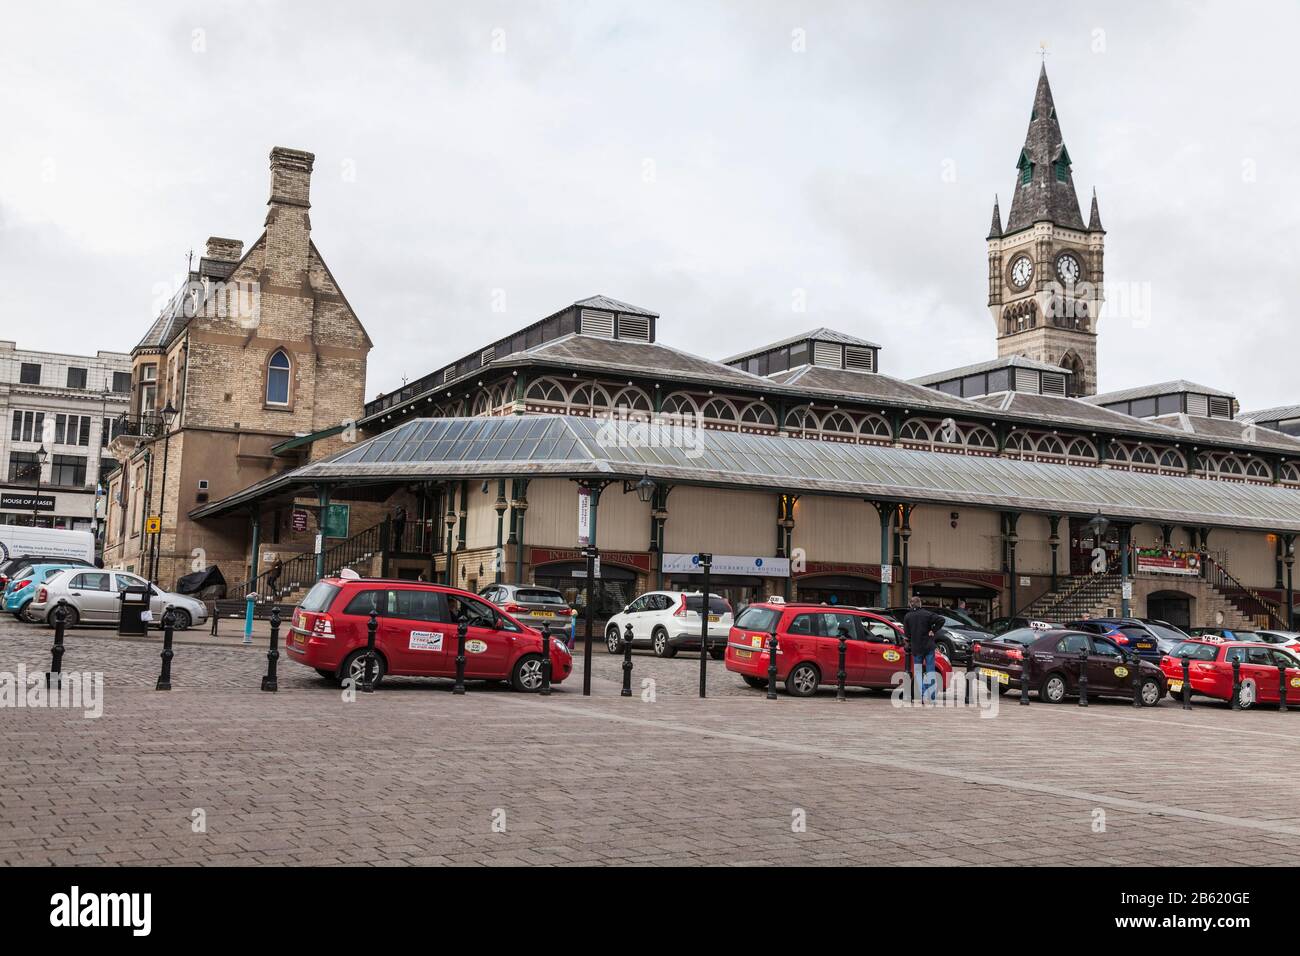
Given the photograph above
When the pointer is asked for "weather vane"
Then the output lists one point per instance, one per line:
(1042, 50)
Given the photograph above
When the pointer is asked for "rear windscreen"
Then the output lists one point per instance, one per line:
(320, 597)
(538, 596)
(716, 604)
(758, 619)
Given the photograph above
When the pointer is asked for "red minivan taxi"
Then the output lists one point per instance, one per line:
(416, 634)
(808, 647)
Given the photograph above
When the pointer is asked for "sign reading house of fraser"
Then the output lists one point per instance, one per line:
(27, 502)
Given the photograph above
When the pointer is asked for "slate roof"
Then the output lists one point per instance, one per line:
(1281, 413)
(1074, 413)
(563, 446)
(1044, 198)
(579, 351)
(846, 384)
(1151, 391)
(822, 335)
(612, 305)
(171, 321)
(1006, 361)
(1229, 430)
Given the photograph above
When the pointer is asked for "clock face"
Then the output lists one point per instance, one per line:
(1067, 267)
(1022, 270)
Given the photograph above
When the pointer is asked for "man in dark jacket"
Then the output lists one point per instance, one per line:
(920, 626)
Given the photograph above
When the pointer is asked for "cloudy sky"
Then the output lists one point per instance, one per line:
(720, 163)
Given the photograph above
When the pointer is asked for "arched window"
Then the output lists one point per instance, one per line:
(632, 399)
(873, 426)
(547, 391)
(756, 413)
(915, 430)
(279, 373)
(1018, 443)
(1257, 469)
(802, 422)
(1291, 472)
(482, 404)
(981, 439)
(1142, 455)
(1081, 449)
(719, 410)
(1173, 460)
(838, 424)
(679, 403)
(1051, 445)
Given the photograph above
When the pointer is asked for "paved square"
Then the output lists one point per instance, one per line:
(414, 775)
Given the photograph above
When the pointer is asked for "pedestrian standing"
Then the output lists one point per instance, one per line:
(399, 526)
(273, 577)
(920, 625)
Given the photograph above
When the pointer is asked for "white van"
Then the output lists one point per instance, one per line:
(17, 541)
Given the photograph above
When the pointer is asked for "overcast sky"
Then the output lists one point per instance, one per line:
(717, 163)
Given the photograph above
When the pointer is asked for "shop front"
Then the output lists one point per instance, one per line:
(842, 584)
(566, 570)
(48, 508)
(981, 592)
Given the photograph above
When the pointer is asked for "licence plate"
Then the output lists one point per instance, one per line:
(714, 619)
(543, 614)
(1002, 676)
(1175, 687)
(744, 655)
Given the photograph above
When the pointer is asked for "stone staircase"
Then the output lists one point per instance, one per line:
(1101, 595)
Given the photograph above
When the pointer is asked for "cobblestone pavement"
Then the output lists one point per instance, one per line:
(412, 774)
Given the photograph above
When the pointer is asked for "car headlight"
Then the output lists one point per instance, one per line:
(560, 644)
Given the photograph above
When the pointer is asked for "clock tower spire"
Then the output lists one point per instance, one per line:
(1045, 267)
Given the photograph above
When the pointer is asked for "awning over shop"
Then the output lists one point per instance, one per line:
(537, 446)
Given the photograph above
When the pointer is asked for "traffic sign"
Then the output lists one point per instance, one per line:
(152, 524)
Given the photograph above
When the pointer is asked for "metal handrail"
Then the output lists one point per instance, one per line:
(302, 567)
(1247, 599)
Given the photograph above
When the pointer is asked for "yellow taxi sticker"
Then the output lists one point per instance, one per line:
(892, 656)
(1121, 672)
(1295, 681)
(475, 646)
(755, 641)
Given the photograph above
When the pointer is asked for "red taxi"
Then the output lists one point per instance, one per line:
(1209, 671)
(808, 647)
(416, 634)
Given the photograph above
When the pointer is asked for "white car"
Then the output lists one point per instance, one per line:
(1288, 640)
(669, 621)
(92, 598)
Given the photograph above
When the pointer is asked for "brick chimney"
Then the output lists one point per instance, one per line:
(224, 250)
(288, 228)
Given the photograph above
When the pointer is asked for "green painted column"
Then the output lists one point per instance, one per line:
(886, 511)
(323, 494)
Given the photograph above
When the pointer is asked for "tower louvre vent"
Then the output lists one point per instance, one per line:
(1027, 380)
(1053, 383)
(1198, 405)
(1220, 407)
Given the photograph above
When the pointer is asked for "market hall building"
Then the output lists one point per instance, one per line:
(808, 471)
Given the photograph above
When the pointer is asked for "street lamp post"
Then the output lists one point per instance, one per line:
(168, 415)
(450, 521)
(41, 455)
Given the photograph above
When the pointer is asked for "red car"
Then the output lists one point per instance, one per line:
(416, 634)
(1209, 671)
(808, 647)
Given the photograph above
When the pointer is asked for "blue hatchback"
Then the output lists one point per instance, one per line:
(20, 591)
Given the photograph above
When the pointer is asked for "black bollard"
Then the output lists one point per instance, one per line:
(368, 668)
(772, 648)
(627, 662)
(841, 674)
(459, 686)
(165, 676)
(545, 689)
(970, 677)
(270, 682)
(1137, 680)
(1187, 683)
(1236, 685)
(55, 676)
(1025, 677)
(1083, 678)
(1281, 687)
(215, 617)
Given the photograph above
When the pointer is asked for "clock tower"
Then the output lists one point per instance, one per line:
(1045, 267)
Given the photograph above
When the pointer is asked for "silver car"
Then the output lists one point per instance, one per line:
(92, 598)
(531, 605)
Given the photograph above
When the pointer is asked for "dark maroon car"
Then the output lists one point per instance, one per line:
(1055, 665)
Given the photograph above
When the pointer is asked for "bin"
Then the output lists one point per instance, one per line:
(134, 601)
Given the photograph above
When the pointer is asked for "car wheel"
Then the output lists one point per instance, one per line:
(612, 642)
(181, 620)
(1247, 696)
(526, 677)
(23, 614)
(660, 640)
(945, 648)
(1149, 691)
(802, 681)
(1052, 689)
(70, 619)
(758, 683)
(355, 667)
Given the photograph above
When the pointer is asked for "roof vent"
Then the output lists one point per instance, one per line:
(1053, 384)
(487, 355)
(828, 355)
(1198, 405)
(1027, 380)
(447, 373)
(597, 323)
(857, 357)
(1220, 406)
(635, 327)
